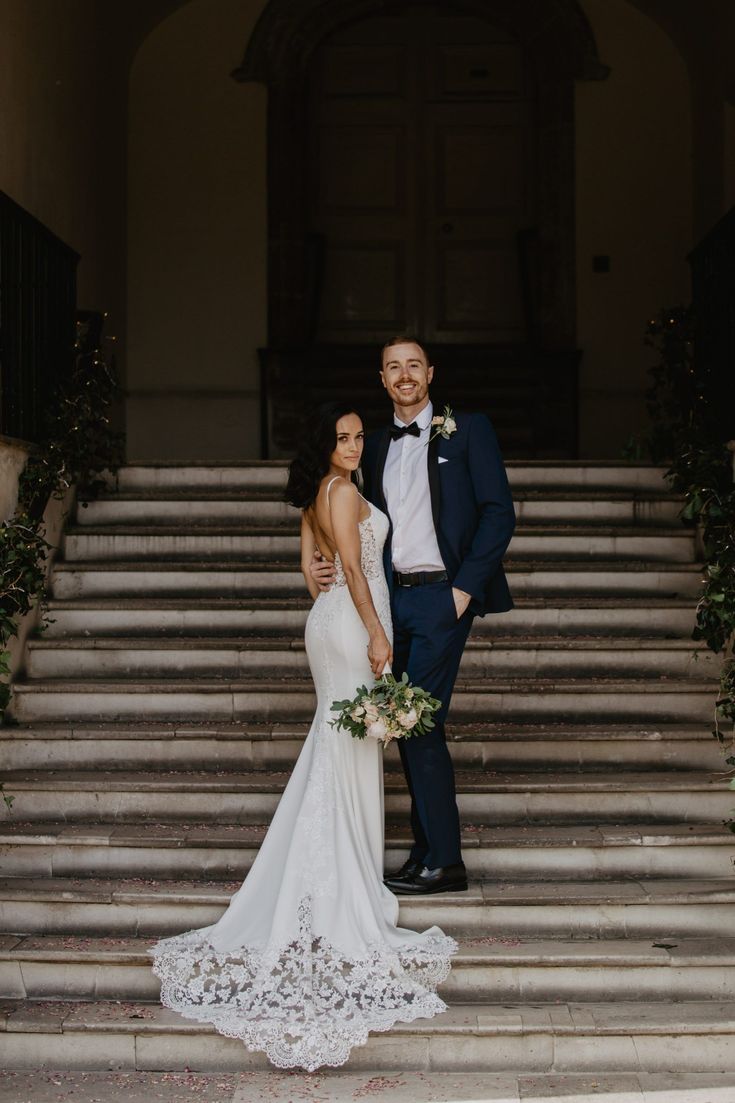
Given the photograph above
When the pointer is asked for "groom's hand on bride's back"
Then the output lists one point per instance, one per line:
(322, 571)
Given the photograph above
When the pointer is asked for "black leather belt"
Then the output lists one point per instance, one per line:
(418, 578)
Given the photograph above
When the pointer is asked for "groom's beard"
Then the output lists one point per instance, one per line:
(410, 399)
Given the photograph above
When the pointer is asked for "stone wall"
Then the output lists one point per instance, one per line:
(62, 138)
(13, 455)
(634, 204)
(197, 239)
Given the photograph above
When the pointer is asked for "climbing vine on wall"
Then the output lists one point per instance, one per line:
(686, 431)
(703, 473)
(79, 445)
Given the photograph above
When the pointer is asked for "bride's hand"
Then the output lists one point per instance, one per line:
(380, 652)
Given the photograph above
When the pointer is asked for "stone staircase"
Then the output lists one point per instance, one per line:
(164, 705)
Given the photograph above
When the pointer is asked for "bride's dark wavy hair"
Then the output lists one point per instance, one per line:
(311, 462)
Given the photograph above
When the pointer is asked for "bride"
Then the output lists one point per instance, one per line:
(308, 957)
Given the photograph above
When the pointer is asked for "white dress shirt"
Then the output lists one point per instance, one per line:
(408, 497)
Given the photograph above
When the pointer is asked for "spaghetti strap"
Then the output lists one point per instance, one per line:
(334, 480)
(329, 484)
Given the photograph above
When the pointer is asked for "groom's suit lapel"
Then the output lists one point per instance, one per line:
(434, 487)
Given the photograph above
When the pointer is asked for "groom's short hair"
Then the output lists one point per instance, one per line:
(407, 339)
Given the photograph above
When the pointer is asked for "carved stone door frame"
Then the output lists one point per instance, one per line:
(559, 43)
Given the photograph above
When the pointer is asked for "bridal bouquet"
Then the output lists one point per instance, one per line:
(392, 709)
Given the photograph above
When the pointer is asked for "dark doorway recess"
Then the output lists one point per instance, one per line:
(712, 264)
(38, 291)
(421, 178)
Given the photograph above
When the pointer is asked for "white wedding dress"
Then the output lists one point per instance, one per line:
(308, 958)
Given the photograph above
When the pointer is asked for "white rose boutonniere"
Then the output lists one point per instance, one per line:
(444, 424)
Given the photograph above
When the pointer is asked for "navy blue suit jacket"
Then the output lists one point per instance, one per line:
(470, 502)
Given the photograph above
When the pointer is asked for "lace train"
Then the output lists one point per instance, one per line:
(304, 1004)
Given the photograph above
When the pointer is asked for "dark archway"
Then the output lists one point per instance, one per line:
(558, 42)
(288, 31)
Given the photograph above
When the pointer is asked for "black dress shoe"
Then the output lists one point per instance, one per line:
(408, 870)
(429, 881)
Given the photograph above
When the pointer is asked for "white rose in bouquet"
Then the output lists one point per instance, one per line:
(408, 719)
(371, 713)
(378, 729)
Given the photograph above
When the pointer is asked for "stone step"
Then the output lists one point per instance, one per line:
(271, 475)
(557, 700)
(535, 657)
(638, 908)
(207, 577)
(241, 746)
(616, 542)
(597, 929)
(239, 509)
(483, 796)
(202, 616)
(216, 849)
(277, 1086)
(486, 969)
(628, 1036)
(259, 494)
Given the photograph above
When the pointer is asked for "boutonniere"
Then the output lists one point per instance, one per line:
(444, 424)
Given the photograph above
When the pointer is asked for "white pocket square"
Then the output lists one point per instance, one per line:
(442, 459)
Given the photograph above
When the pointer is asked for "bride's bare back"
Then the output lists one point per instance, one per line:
(319, 519)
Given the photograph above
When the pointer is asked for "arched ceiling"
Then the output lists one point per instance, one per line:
(129, 22)
(704, 34)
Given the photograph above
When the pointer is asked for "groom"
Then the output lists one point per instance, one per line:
(443, 485)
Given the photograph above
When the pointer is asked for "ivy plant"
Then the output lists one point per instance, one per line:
(686, 430)
(79, 445)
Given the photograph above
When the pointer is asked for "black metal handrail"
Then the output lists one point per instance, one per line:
(712, 264)
(37, 314)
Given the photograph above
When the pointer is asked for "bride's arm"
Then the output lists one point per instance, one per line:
(308, 547)
(344, 511)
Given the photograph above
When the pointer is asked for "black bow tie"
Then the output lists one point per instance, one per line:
(398, 431)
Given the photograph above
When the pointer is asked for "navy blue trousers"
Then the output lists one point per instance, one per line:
(428, 641)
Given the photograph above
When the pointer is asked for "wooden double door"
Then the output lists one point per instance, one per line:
(421, 140)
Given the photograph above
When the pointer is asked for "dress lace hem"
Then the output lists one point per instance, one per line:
(304, 1004)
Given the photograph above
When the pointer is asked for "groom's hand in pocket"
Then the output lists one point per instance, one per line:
(461, 600)
(322, 571)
